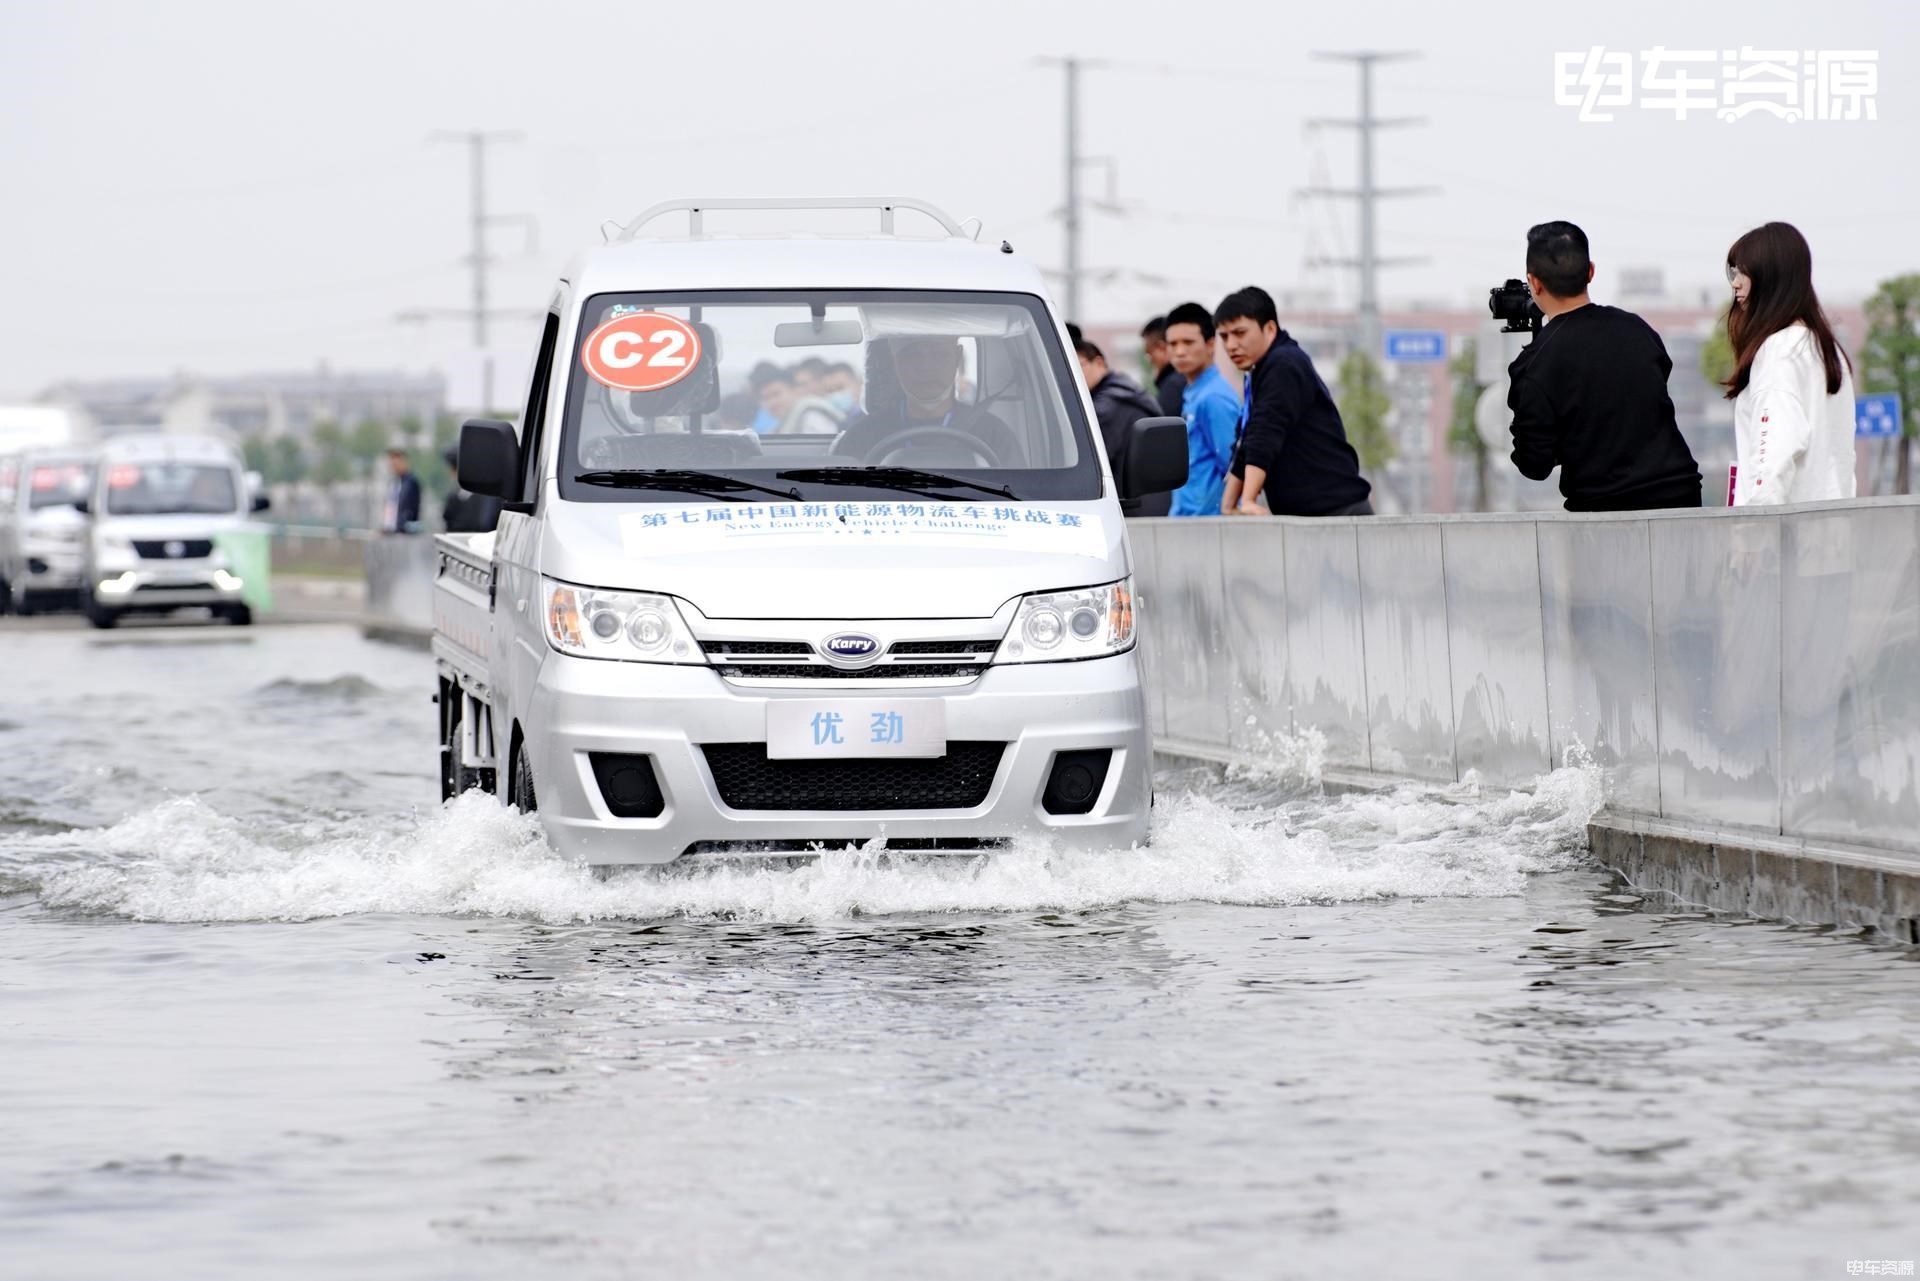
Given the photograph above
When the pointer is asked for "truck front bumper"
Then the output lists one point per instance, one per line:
(177, 585)
(668, 713)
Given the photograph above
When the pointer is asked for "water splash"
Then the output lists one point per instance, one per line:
(182, 860)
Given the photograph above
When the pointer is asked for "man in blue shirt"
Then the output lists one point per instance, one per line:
(1211, 409)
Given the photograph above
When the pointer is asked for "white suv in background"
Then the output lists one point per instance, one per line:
(159, 504)
(42, 529)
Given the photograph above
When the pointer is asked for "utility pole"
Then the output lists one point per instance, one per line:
(477, 141)
(1072, 68)
(1075, 162)
(1367, 193)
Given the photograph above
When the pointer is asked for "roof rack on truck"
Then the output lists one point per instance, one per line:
(696, 210)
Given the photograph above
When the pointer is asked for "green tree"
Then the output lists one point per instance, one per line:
(1716, 353)
(367, 442)
(332, 462)
(257, 454)
(1463, 428)
(289, 461)
(1363, 408)
(1890, 361)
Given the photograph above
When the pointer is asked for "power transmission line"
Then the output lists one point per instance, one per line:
(1367, 194)
(1075, 162)
(478, 258)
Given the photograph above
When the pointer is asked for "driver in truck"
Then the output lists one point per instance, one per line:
(926, 369)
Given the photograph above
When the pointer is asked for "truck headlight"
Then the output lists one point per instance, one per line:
(635, 627)
(1052, 627)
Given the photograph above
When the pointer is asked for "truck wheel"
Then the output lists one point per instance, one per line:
(6, 596)
(99, 615)
(238, 615)
(520, 790)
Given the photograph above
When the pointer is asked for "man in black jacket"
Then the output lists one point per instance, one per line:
(1169, 384)
(1293, 447)
(1589, 393)
(1119, 403)
(401, 515)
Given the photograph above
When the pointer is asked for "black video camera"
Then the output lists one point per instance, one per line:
(1513, 303)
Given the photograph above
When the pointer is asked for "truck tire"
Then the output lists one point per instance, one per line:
(99, 615)
(6, 596)
(520, 793)
(238, 615)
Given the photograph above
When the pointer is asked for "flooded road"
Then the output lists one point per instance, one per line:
(267, 1010)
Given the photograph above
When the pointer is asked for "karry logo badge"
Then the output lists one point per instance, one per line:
(850, 649)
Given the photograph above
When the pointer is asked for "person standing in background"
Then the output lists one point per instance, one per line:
(1589, 392)
(1211, 409)
(401, 515)
(1792, 384)
(773, 388)
(1169, 384)
(1119, 403)
(1293, 449)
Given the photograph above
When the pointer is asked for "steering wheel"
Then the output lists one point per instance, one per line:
(887, 446)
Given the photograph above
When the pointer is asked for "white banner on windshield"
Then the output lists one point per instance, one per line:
(1012, 526)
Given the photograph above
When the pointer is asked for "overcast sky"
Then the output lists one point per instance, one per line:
(225, 187)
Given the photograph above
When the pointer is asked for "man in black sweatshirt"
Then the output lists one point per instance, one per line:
(1589, 393)
(1293, 447)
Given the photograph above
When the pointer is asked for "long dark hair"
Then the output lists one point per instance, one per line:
(1779, 270)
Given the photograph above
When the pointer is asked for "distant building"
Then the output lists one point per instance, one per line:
(272, 404)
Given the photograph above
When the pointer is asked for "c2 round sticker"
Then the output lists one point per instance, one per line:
(641, 351)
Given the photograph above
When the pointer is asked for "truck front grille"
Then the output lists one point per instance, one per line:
(748, 780)
(796, 662)
(157, 548)
(821, 672)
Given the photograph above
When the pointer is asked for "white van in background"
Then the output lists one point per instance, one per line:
(158, 505)
(42, 529)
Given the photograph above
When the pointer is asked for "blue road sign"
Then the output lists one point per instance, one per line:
(1416, 346)
(1877, 415)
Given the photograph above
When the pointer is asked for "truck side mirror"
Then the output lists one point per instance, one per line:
(1155, 459)
(261, 502)
(83, 505)
(489, 459)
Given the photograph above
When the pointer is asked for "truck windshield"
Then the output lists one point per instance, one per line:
(821, 394)
(166, 488)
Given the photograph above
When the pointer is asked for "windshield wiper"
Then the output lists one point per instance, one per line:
(705, 483)
(910, 479)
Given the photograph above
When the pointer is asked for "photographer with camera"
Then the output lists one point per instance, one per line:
(1589, 392)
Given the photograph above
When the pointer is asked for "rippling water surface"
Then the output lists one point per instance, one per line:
(266, 1009)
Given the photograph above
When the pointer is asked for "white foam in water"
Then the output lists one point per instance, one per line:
(182, 861)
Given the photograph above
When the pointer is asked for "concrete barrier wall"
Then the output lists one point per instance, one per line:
(1732, 672)
(400, 570)
(1728, 669)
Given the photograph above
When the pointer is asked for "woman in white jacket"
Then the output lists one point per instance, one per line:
(1792, 385)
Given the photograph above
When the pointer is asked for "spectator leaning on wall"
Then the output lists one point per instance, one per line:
(1169, 384)
(1211, 409)
(1293, 449)
(1119, 403)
